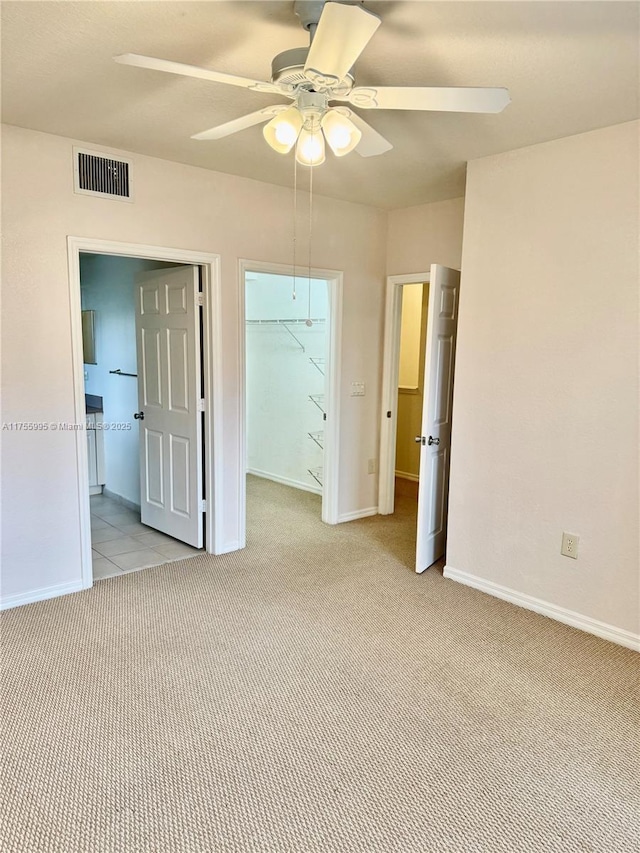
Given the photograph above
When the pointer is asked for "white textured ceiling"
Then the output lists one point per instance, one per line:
(570, 67)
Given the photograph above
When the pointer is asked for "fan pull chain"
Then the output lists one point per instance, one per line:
(295, 221)
(309, 321)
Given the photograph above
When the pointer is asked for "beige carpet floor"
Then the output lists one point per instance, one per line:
(311, 694)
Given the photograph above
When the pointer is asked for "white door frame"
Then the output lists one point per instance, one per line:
(212, 370)
(390, 370)
(332, 399)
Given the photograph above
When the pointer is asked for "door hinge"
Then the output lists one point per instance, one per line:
(201, 405)
(200, 298)
(203, 505)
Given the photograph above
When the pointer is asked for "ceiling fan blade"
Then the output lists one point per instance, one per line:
(194, 71)
(440, 99)
(242, 123)
(343, 33)
(371, 143)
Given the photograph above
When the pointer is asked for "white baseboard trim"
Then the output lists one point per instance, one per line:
(545, 608)
(359, 513)
(119, 499)
(40, 594)
(405, 475)
(286, 481)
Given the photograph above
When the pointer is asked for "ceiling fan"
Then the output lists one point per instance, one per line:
(315, 77)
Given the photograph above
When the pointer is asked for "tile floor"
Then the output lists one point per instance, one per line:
(120, 543)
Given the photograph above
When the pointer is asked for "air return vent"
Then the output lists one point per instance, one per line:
(102, 175)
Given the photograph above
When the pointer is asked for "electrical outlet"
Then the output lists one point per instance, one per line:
(570, 545)
(373, 466)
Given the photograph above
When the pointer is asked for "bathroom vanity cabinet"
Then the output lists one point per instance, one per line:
(95, 446)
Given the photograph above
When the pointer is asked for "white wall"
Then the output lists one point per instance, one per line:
(280, 378)
(175, 206)
(545, 413)
(107, 286)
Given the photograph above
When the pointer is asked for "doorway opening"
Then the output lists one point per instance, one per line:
(419, 361)
(144, 371)
(290, 395)
(117, 344)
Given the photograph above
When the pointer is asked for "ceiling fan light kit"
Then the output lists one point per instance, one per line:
(309, 122)
(314, 77)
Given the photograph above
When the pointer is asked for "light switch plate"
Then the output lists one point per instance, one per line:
(357, 389)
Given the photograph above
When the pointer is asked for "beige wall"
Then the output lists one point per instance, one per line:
(423, 235)
(175, 206)
(410, 323)
(545, 409)
(545, 429)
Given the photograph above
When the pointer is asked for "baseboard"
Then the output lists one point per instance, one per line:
(119, 499)
(359, 513)
(405, 475)
(545, 608)
(285, 481)
(40, 594)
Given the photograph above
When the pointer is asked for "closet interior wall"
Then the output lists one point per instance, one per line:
(286, 378)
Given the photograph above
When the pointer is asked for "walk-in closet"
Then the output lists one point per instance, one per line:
(286, 370)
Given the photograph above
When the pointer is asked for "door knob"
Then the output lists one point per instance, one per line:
(433, 440)
(420, 439)
(139, 416)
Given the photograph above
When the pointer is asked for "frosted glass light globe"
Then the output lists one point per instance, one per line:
(342, 134)
(339, 137)
(286, 133)
(282, 131)
(310, 148)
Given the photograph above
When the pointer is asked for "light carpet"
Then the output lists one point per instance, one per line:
(311, 694)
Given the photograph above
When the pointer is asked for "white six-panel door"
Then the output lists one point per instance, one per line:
(169, 366)
(435, 451)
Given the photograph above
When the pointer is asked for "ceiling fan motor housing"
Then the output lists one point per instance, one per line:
(287, 69)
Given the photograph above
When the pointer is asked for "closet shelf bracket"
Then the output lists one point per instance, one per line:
(318, 437)
(316, 473)
(287, 329)
(318, 400)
